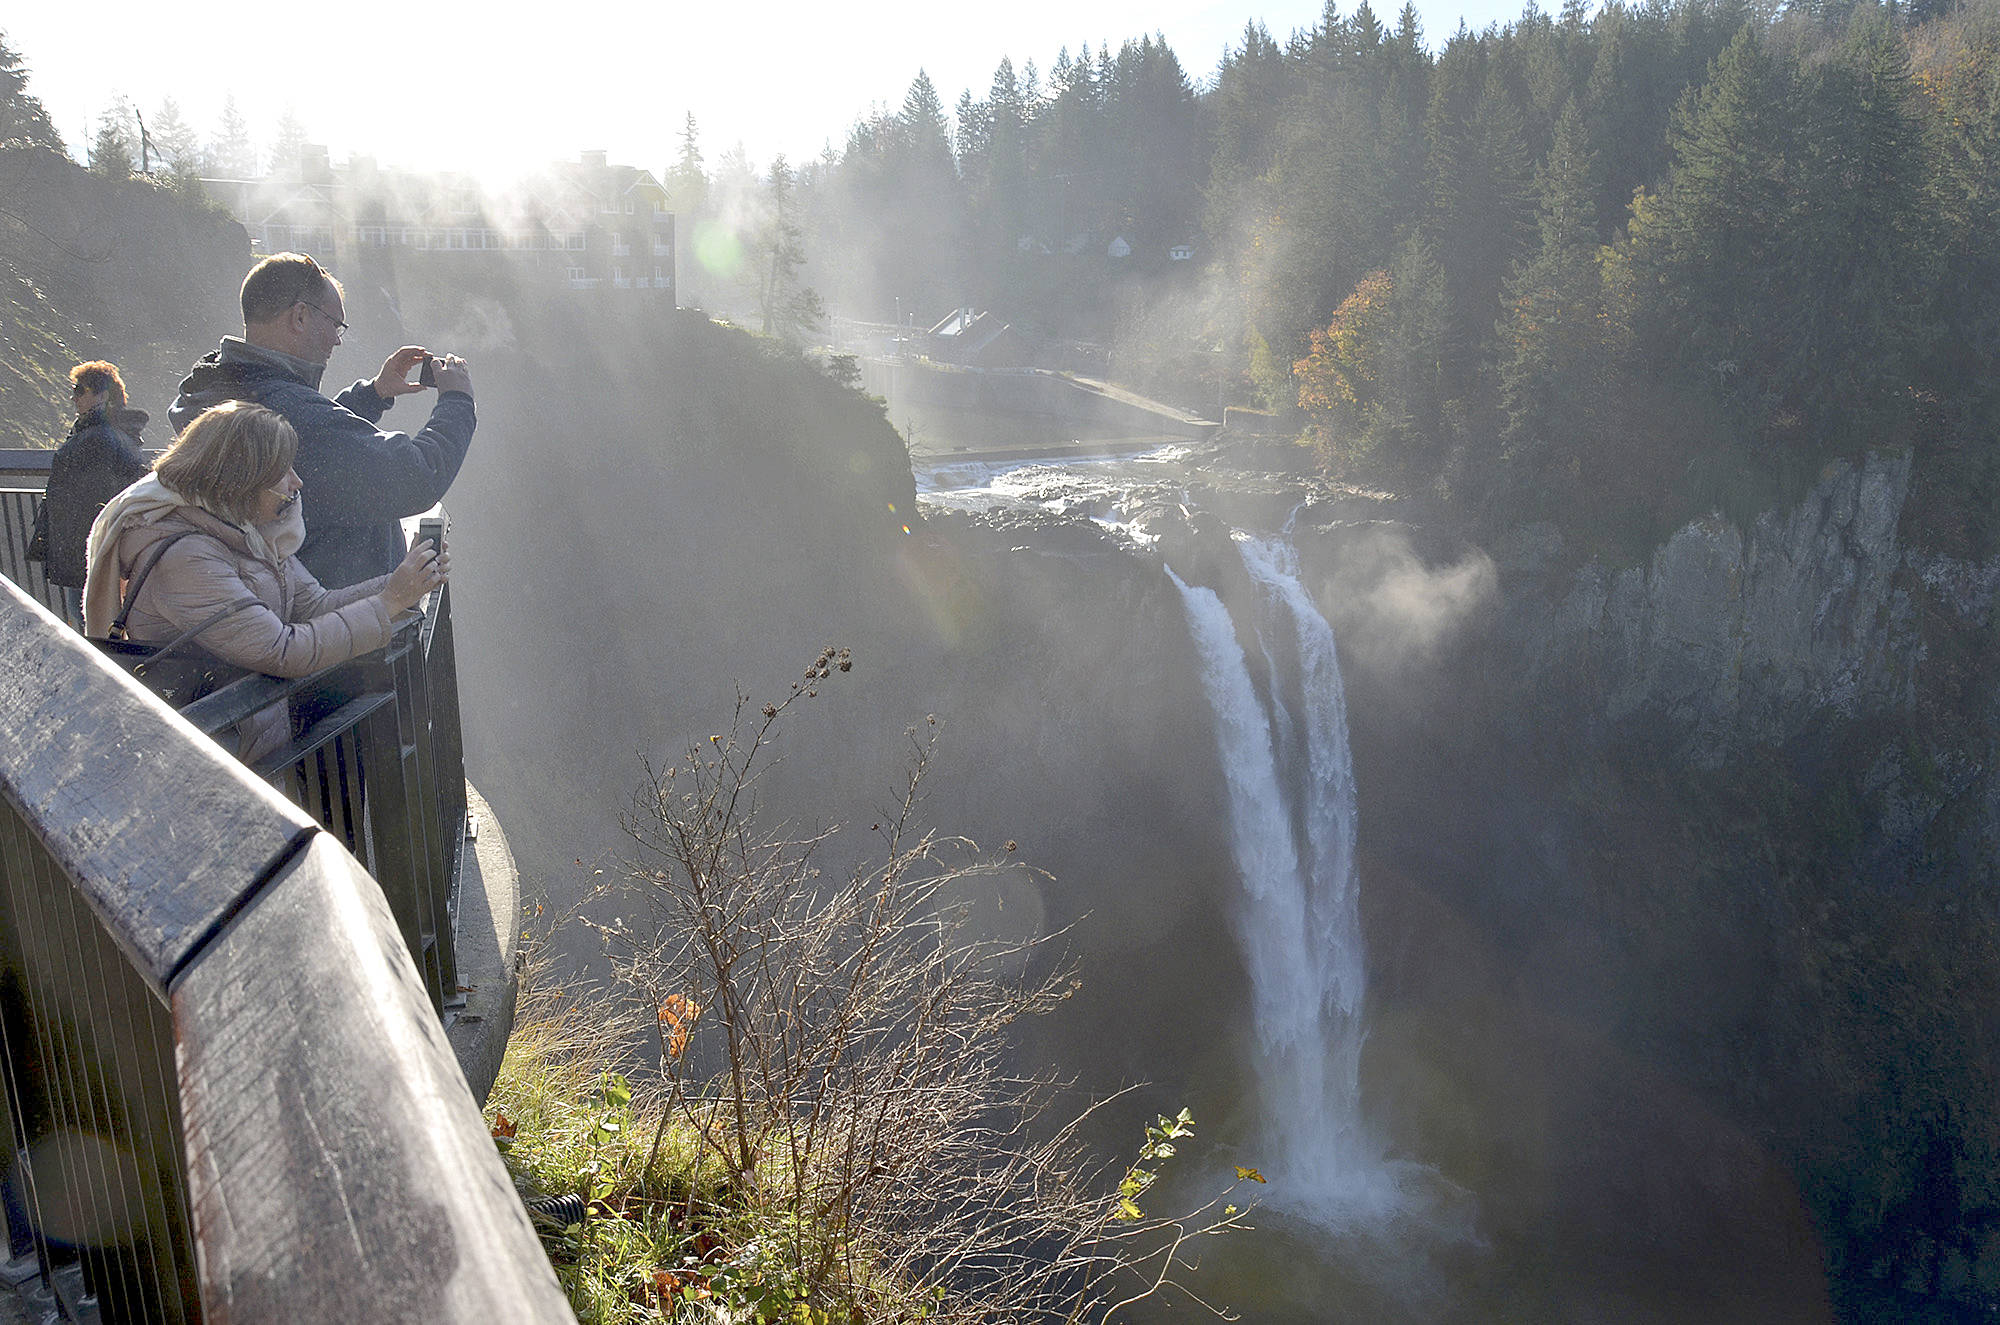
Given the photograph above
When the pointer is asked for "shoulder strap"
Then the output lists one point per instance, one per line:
(116, 630)
(186, 635)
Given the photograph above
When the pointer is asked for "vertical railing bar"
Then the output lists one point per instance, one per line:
(14, 1134)
(159, 1089)
(436, 889)
(347, 778)
(449, 754)
(322, 793)
(354, 757)
(119, 1271)
(346, 763)
(175, 1210)
(443, 659)
(73, 1163)
(429, 847)
(391, 844)
(89, 936)
(37, 939)
(24, 852)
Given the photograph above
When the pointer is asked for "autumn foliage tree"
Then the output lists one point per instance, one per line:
(1373, 386)
(1337, 380)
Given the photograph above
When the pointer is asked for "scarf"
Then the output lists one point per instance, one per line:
(148, 501)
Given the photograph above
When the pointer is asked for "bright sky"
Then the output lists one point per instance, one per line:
(442, 86)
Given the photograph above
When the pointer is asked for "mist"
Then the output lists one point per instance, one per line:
(1271, 532)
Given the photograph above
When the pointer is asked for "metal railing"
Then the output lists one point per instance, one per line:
(224, 1089)
(23, 475)
(211, 1040)
(376, 756)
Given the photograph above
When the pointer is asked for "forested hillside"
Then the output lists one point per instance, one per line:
(98, 263)
(1659, 257)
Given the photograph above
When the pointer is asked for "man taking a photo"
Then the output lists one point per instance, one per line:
(359, 482)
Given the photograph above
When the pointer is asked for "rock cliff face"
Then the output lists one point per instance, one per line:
(1733, 639)
(657, 512)
(1735, 812)
(1823, 615)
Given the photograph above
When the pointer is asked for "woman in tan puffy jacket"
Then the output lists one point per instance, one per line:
(227, 487)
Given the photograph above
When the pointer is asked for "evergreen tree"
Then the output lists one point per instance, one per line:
(114, 152)
(288, 146)
(1248, 90)
(924, 229)
(23, 120)
(1962, 100)
(993, 162)
(1710, 262)
(1858, 248)
(1416, 389)
(1481, 197)
(687, 180)
(1553, 362)
(922, 119)
(790, 309)
(230, 153)
(176, 139)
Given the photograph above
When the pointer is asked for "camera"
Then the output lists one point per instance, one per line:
(427, 375)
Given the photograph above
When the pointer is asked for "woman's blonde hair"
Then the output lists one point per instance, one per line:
(225, 458)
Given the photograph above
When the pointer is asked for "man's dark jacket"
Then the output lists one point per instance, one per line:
(359, 481)
(95, 463)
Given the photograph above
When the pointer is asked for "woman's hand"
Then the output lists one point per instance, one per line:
(423, 570)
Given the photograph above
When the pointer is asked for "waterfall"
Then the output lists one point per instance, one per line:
(1292, 814)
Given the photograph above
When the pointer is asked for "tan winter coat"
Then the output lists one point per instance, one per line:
(295, 628)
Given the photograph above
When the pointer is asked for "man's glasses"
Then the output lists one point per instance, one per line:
(338, 325)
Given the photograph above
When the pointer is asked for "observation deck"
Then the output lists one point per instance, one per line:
(248, 1013)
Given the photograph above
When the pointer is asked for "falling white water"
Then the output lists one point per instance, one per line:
(1292, 812)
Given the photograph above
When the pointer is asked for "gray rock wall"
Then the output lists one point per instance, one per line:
(1733, 639)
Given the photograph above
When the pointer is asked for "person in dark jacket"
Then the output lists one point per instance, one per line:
(98, 459)
(363, 480)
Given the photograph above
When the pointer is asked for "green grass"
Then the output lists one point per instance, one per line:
(658, 1218)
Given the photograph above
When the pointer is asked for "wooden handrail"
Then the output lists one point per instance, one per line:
(230, 1091)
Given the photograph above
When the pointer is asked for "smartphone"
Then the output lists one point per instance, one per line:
(427, 375)
(432, 527)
